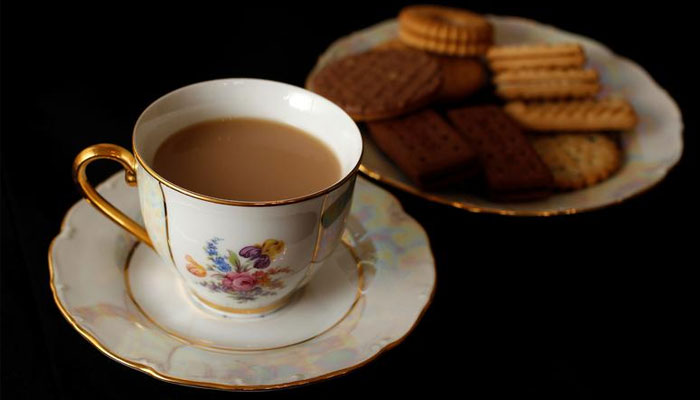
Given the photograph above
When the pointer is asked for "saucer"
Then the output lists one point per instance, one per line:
(651, 149)
(365, 299)
(322, 303)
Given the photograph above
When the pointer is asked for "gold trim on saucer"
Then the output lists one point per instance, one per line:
(213, 385)
(279, 304)
(260, 310)
(457, 204)
(490, 210)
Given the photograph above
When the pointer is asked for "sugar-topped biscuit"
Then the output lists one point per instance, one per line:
(578, 159)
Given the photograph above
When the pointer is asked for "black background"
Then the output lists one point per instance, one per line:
(583, 306)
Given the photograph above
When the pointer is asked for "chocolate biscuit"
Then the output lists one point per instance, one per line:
(379, 84)
(461, 76)
(512, 168)
(426, 148)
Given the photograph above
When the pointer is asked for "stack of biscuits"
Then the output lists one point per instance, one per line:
(407, 92)
(550, 94)
(444, 30)
(544, 71)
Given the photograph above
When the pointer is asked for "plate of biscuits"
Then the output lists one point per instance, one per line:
(500, 114)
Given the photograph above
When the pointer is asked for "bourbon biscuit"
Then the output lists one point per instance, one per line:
(576, 115)
(379, 84)
(578, 160)
(512, 168)
(426, 148)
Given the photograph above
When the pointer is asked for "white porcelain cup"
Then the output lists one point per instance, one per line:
(234, 256)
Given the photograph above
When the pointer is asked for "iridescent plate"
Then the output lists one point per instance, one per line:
(124, 300)
(650, 150)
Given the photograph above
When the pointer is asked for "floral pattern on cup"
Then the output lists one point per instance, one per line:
(245, 275)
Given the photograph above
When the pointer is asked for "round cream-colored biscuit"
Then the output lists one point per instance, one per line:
(443, 47)
(445, 24)
(578, 160)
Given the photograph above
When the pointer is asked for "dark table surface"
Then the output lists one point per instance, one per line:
(581, 306)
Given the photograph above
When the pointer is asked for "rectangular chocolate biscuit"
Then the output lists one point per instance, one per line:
(512, 168)
(426, 148)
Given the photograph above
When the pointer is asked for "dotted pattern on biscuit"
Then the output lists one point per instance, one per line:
(578, 160)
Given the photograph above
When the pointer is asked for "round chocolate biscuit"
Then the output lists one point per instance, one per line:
(379, 84)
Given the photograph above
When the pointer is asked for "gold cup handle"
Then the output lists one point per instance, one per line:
(124, 157)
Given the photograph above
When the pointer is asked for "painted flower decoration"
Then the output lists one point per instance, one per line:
(262, 262)
(250, 252)
(262, 278)
(239, 281)
(245, 275)
(194, 268)
(272, 248)
(262, 255)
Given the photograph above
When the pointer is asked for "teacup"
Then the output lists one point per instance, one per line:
(234, 256)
